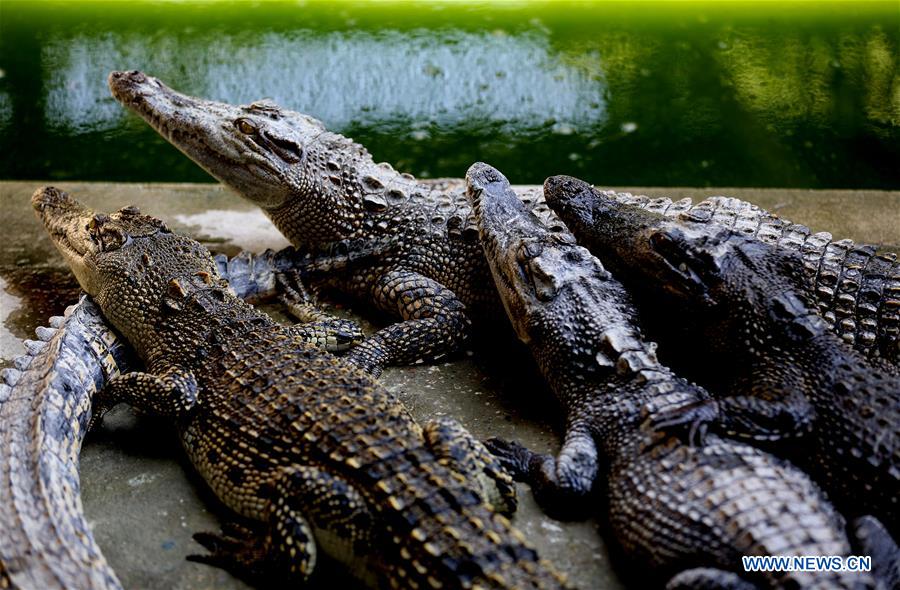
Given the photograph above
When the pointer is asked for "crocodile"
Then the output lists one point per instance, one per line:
(309, 451)
(47, 542)
(741, 312)
(672, 504)
(856, 286)
(321, 188)
(45, 409)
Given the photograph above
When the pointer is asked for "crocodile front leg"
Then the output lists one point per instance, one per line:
(316, 327)
(298, 300)
(171, 393)
(435, 319)
(561, 484)
(332, 335)
(278, 274)
(771, 410)
(435, 323)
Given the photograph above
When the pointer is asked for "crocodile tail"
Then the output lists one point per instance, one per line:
(44, 412)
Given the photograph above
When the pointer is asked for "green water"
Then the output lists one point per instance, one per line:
(640, 93)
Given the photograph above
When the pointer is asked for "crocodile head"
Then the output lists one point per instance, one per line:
(630, 240)
(276, 158)
(749, 291)
(578, 320)
(128, 262)
(608, 227)
(535, 268)
(742, 286)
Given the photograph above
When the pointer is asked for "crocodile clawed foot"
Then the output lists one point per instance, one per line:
(96, 422)
(291, 286)
(296, 298)
(561, 486)
(98, 411)
(236, 549)
(690, 422)
(514, 457)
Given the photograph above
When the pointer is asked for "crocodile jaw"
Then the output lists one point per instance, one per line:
(619, 234)
(66, 222)
(534, 267)
(206, 131)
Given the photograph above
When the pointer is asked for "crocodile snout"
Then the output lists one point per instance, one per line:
(558, 189)
(50, 196)
(130, 84)
(129, 77)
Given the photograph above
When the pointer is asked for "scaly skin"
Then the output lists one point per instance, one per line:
(319, 188)
(740, 309)
(47, 543)
(303, 443)
(672, 505)
(45, 408)
(856, 287)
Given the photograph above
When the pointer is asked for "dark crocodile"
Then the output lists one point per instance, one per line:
(672, 505)
(45, 409)
(742, 311)
(308, 448)
(320, 188)
(856, 286)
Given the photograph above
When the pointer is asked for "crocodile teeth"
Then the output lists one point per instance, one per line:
(44, 334)
(10, 376)
(34, 346)
(57, 321)
(22, 362)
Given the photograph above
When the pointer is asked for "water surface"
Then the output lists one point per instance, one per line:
(642, 93)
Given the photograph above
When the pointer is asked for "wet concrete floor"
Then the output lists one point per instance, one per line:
(139, 493)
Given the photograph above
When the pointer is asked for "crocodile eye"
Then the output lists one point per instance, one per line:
(245, 126)
(661, 241)
(113, 239)
(95, 226)
(530, 250)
